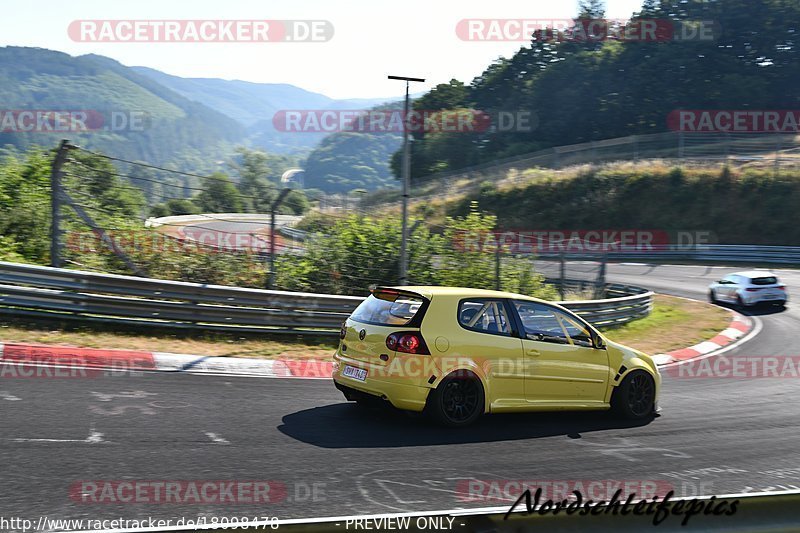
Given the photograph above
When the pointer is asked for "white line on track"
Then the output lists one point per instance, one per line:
(8, 396)
(216, 439)
(95, 437)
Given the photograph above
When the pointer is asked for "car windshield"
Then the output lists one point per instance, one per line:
(766, 280)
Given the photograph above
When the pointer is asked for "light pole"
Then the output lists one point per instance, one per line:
(272, 209)
(406, 175)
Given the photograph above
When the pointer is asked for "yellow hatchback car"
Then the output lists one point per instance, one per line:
(458, 353)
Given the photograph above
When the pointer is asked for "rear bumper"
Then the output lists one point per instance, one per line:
(404, 393)
(764, 299)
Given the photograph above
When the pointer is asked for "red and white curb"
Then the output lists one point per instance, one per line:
(66, 357)
(738, 328)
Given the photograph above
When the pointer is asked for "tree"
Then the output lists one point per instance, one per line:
(355, 253)
(604, 88)
(25, 205)
(591, 9)
(259, 177)
(175, 207)
(219, 195)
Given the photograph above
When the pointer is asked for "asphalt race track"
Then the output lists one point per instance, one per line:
(714, 436)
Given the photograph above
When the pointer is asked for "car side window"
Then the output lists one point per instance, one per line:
(540, 323)
(484, 316)
(548, 324)
(577, 332)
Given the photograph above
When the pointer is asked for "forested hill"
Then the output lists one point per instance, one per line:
(163, 126)
(584, 91)
(187, 123)
(254, 104)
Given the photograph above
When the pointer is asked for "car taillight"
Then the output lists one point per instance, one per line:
(782, 287)
(343, 331)
(410, 342)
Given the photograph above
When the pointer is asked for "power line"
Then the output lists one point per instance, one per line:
(155, 167)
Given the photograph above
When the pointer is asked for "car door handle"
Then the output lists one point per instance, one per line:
(533, 352)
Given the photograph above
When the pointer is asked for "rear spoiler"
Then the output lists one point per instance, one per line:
(393, 293)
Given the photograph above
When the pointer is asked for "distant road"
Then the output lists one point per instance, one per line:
(228, 231)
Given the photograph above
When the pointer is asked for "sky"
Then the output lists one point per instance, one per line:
(371, 39)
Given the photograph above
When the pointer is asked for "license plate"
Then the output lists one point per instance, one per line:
(359, 374)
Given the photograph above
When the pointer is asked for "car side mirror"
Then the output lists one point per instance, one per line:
(597, 341)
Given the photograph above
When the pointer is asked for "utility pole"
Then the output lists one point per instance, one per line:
(55, 203)
(406, 175)
(278, 201)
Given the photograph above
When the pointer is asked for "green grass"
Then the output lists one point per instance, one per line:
(674, 323)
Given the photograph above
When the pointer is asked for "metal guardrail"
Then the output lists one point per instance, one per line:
(56, 293)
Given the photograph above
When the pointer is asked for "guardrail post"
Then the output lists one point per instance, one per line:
(55, 203)
(561, 276)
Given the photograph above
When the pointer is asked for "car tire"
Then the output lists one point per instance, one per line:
(634, 398)
(740, 303)
(712, 297)
(458, 401)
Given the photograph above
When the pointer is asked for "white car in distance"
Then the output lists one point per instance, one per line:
(748, 288)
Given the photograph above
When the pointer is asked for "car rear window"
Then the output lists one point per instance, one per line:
(766, 280)
(388, 309)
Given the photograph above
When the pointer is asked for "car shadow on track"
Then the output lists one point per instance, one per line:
(756, 310)
(346, 425)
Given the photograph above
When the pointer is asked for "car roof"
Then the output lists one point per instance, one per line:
(429, 291)
(755, 274)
